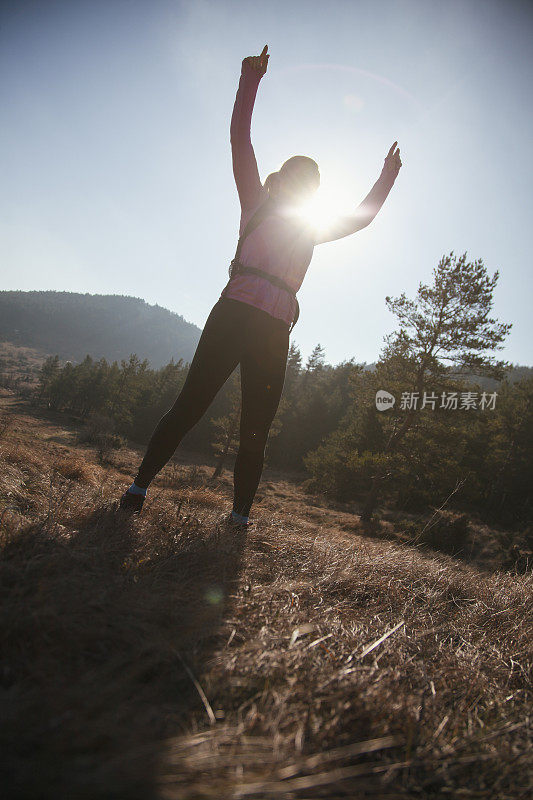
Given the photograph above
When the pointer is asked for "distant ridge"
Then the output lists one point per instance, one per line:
(74, 325)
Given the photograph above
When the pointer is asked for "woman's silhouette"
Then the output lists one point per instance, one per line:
(251, 321)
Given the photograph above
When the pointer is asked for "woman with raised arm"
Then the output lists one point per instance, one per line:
(251, 321)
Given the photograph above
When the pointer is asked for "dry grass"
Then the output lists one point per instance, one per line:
(19, 365)
(74, 469)
(168, 658)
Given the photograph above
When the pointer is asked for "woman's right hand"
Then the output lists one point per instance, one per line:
(258, 63)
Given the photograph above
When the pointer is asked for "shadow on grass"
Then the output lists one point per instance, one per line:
(104, 631)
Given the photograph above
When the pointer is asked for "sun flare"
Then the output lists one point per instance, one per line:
(328, 203)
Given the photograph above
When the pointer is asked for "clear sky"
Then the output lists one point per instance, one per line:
(116, 166)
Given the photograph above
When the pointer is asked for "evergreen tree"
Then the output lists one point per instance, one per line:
(448, 322)
(316, 359)
(48, 373)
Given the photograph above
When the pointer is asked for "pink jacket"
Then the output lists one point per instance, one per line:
(283, 243)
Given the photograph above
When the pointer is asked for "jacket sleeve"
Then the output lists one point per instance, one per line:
(244, 164)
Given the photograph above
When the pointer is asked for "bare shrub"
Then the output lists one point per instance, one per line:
(100, 431)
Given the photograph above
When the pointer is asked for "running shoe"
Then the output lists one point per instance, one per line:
(132, 503)
(227, 521)
(233, 523)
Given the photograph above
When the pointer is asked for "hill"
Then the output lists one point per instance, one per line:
(104, 326)
(167, 657)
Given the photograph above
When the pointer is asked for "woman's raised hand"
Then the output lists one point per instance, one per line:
(392, 163)
(258, 63)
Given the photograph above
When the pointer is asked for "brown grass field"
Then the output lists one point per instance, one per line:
(310, 657)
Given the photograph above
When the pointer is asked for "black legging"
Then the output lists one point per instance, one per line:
(235, 332)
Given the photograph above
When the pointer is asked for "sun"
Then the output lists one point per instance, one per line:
(330, 201)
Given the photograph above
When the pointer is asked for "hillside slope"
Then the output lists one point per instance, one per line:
(166, 657)
(103, 326)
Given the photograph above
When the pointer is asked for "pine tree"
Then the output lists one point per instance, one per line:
(316, 359)
(448, 322)
(48, 373)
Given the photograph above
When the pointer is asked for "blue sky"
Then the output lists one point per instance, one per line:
(116, 175)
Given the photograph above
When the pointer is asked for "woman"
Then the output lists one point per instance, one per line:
(251, 321)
